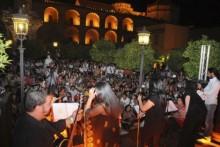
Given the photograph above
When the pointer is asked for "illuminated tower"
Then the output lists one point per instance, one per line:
(122, 6)
(163, 10)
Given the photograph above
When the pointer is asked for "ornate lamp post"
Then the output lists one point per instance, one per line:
(143, 39)
(21, 23)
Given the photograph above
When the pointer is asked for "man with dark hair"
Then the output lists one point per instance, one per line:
(211, 91)
(33, 129)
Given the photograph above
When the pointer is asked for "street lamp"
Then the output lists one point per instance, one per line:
(21, 23)
(143, 39)
(56, 48)
(55, 44)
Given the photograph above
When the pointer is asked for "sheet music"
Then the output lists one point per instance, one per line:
(171, 107)
(64, 110)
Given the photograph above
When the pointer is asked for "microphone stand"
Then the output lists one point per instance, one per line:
(138, 129)
(70, 141)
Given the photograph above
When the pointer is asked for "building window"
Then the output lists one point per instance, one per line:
(71, 21)
(50, 18)
(125, 27)
(109, 25)
(91, 23)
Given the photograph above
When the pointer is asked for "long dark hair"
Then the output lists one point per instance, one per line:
(105, 93)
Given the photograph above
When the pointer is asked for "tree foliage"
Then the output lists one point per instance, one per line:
(34, 49)
(103, 51)
(176, 60)
(192, 53)
(74, 51)
(129, 57)
(4, 58)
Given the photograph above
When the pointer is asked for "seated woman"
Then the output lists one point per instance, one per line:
(129, 116)
(181, 113)
(102, 111)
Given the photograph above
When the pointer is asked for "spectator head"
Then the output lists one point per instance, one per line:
(128, 108)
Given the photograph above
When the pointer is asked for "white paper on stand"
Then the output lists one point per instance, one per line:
(171, 107)
(64, 110)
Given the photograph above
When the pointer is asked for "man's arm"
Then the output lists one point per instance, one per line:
(57, 126)
(215, 89)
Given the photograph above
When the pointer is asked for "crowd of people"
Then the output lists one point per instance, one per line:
(114, 102)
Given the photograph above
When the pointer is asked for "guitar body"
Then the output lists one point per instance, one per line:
(61, 142)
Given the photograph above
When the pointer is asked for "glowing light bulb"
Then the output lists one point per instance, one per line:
(21, 27)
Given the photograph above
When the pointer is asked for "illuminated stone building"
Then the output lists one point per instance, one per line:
(84, 22)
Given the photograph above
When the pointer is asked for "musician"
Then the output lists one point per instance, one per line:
(195, 115)
(103, 109)
(154, 118)
(32, 128)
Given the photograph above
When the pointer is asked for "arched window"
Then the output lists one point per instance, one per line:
(92, 20)
(111, 22)
(127, 24)
(91, 36)
(51, 15)
(72, 17)
(73, 33)
(111, 36)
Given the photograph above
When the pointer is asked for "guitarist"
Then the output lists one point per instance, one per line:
(32, 128)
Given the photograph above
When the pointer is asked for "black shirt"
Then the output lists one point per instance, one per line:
(30, 132)
(196, 106)
(154, 116)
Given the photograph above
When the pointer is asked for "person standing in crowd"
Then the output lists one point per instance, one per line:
(211, 91)
(195, 116)
(32, 128)
(103, 110)
(154, 118)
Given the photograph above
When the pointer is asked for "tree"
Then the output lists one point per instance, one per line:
(74, 51)
(4, 58)
(34, 49)
(103, 51)
(192, 53)
(176, 60)
(129, 57)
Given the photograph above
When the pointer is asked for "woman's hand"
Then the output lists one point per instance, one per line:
(70, 119)
(139, 98)
(140, 115)
(92, 93)
(80, 115)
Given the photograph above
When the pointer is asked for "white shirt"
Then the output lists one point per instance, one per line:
(211, 91)
(125, 101)
(47, 61)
